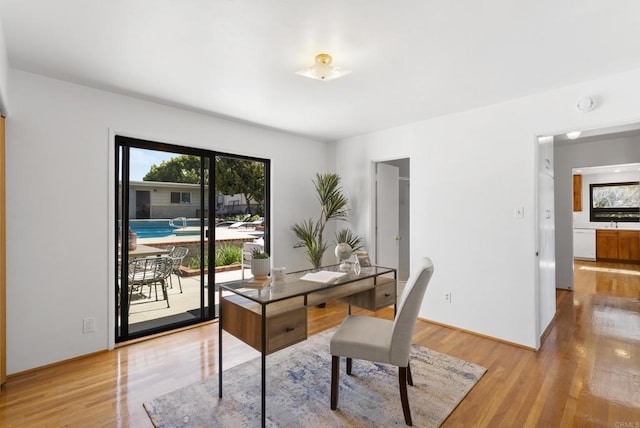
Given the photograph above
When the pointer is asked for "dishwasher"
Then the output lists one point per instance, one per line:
(584, 244)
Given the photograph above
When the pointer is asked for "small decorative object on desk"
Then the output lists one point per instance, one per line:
(343, 252)
(356, 267)
(363, 258)
(257, 283)
(260, 264)
(279, 272)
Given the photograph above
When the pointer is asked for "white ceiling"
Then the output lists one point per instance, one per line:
(411, 59)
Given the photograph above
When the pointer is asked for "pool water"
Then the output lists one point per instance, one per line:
(155, 228)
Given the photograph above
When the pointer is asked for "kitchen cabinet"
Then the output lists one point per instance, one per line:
(606, 244)
(622, 245)
(629, 245)
(577, 192)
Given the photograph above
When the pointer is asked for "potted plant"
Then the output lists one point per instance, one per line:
(333, 206)
(260, 264)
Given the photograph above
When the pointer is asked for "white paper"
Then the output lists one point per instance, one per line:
(323, 276)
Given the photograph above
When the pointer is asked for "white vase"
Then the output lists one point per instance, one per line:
(260, 268)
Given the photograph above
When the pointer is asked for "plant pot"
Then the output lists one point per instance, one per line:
(260, 268)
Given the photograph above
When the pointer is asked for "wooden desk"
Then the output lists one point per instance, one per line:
(274, 317)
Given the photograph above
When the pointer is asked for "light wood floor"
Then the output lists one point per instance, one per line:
(586, 374)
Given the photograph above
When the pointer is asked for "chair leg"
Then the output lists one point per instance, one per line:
(165, 292)
(129, 302)
(349, 365)
(402, 379)
(409, 378)
(179, 282)
(335, 378)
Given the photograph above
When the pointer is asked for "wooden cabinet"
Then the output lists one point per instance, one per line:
(577, 192)
(623, 245)
(606, 244)
(629, 245)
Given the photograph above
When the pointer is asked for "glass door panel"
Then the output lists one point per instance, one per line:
(177, 232)
(163, 272)
(241, 214)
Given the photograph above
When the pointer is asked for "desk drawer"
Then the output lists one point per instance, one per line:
(241, 319)
(381, 296)
(385, 295)
(286, 329)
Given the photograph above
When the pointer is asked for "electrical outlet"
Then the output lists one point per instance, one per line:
(88, 325)
(447, 297)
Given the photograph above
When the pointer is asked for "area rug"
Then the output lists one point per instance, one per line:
(298, 392)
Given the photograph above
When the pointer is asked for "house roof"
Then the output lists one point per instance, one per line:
(410, 59)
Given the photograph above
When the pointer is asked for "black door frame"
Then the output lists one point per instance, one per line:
(122, 173)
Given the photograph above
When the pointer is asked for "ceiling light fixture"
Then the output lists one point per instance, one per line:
(573, 135)
(322, 69)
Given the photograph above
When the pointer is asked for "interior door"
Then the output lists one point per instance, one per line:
(546, 237)
(387, 215)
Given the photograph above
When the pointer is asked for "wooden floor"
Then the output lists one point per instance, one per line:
(587, 373)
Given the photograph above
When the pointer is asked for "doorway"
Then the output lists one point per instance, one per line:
(170, 202)
(611, 145)
(392, 213)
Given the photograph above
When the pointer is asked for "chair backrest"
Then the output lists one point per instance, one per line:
(405, 321)
(179, 253)
(163, 266)
(149, 269)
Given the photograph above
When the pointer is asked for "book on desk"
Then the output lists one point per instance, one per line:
(257, 282)
(324, 276)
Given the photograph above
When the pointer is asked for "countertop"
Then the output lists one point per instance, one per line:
(587, 227)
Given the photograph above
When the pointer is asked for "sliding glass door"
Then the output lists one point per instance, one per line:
(168, 246)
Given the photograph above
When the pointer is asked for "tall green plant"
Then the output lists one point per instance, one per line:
(333, 206)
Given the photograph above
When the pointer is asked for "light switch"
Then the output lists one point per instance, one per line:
(518, 212)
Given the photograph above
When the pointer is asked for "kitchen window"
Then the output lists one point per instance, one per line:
(619, 202)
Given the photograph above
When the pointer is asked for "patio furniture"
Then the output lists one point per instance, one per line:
(149, 271)
(177, 256)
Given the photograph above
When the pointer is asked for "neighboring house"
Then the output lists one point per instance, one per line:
(161, 200)
(152, 199)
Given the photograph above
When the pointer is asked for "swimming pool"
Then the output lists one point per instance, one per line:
(158, 228)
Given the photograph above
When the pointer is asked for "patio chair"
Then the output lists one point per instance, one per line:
(177, 256)
(149, 271)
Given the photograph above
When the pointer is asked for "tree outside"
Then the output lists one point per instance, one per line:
(233, 176)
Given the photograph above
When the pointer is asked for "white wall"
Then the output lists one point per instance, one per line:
(468, 173)
(607, 151)
(59, 267)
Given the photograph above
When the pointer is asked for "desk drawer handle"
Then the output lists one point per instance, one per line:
(387, 294)
(290, 329)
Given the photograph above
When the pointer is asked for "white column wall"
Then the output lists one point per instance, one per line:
(59, 215)
(468, 173)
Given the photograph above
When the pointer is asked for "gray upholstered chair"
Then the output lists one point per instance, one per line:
(381, 340)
